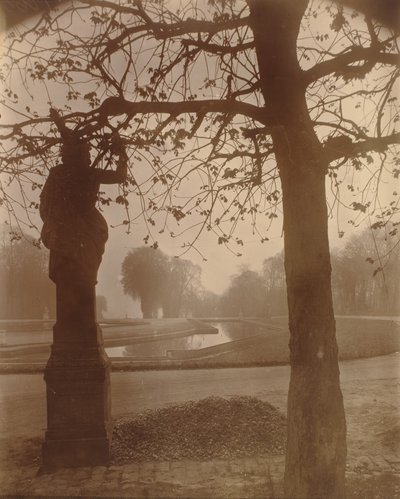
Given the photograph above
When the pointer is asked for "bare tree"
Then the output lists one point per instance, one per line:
(183, 280)
(273, 272)
(236, 110)
(365, 274)
(205, 303)
(246, 295)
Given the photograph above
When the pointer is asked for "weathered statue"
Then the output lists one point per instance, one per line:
(74, 230)
(77, 374)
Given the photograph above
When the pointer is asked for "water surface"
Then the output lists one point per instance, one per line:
(227, 331)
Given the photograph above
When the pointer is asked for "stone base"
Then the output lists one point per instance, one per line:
(78, 452)
(79, 424)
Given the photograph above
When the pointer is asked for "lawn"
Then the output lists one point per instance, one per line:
(357, 338)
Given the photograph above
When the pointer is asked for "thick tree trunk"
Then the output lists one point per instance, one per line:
(316, 450)
(316, 446)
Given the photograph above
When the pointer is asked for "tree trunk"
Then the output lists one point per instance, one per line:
(316, 446)
(147, 307)
(316, 450)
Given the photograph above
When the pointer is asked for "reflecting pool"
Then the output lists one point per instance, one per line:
(227, 331)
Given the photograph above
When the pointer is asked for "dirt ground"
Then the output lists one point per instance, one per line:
(370, 389)
(373, 439)
(373, 418)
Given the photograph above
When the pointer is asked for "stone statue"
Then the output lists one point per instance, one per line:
(77, 374)
(74, 230)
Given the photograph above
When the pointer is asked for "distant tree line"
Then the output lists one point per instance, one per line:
(26, 292)
(365, 280)
(365, 276)
(172, 287)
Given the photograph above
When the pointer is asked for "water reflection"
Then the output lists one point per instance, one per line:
(227, 331)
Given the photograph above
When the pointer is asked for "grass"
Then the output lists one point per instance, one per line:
(357, 338)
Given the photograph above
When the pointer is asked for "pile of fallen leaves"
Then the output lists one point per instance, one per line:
(210, 428)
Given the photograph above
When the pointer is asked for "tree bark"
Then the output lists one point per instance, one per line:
(316, 449)
(316, 445)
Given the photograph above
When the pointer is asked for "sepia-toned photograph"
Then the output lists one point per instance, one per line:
(200, 249)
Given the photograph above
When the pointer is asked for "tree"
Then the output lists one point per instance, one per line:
(386, 274)
(144, 274)
(182, 282)
(101, 306)
(159, 281)
(274, 277)
(205, 303)
(250, 106)
(246, 295)
(365, 274)
(25, 289)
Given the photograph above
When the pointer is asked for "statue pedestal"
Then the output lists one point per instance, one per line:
(77, 379)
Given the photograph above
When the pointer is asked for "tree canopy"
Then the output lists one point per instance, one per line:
(144, 272)
(246, 295)
(159, 281)
(180, 81)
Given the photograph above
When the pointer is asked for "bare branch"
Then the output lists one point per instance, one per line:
(230, 106)
(343, 146)
(218, 49)
(163, 30)
(111, 5)
(342, 63)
